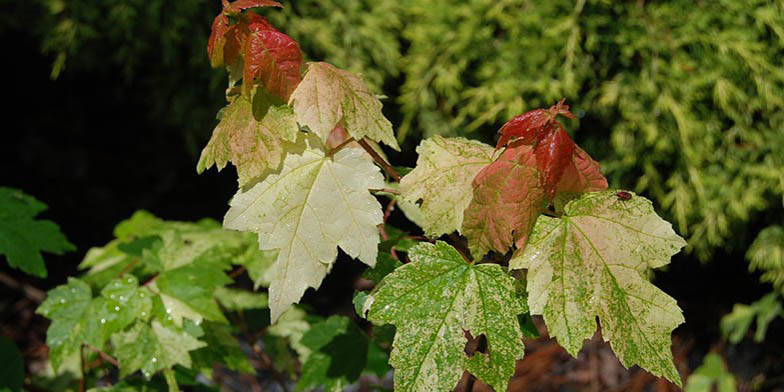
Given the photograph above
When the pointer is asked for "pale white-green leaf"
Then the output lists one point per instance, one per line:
(328, 95)
(442, 180)
(315, 204)
(591, 263)
(435, 298)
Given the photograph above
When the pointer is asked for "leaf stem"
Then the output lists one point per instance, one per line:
(339, 147)
(379, 160)
(386, 190)
(106, 357)
(171, 379)
(83, 380)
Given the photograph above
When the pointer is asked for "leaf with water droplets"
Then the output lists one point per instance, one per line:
(432, 301)
(68, 306)
(22, 237)
(590, 263)
(315, 204)
(152, 347)
(442, 181)
(328, 96)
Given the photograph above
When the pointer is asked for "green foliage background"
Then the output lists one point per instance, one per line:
(680, 100)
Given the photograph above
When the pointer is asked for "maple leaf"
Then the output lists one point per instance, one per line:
(554, 149)
(532, 126)
(328, 96)
(442, 180)
(315, 204)
(581, 174)
(150, 348)
(591, 262)
(435, 298)
(271, 58)
(22, 238)
(221, 27)
(255, 147)
(507, 198)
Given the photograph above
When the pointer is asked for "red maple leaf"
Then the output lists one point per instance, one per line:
(265, 55)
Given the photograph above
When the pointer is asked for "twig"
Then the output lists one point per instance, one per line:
(128, 267)
(261, 355)
(106, 357)
(389, 209)
(459, 247)
(339, 147)
(237, 272)
(379, 160)
(34, 294)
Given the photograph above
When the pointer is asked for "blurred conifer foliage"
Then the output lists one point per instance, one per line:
(689, 95)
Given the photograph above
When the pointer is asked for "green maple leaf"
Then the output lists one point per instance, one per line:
(591, 263)
(192, 286)
(315, 204)
(432, 301)
(78, 318)
(68, 306)
(152, 347)
(442, 180)
(256, 147)
(339, 354)
(221, 347)
(328, 96)
(22, 238)
(12, 372)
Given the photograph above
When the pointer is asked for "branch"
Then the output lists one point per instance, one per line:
(379, 160)
(32, 293)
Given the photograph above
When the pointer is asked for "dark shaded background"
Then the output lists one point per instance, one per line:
(92, 146)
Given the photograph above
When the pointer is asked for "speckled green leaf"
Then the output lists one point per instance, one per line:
(315, 204)
(432, 301)
(591, 263)
(442, 180)
(256, 147)
(152, 347)
(22, 238)
(328, 95)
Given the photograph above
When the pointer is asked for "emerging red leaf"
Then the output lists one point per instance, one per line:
(240, 5)
(508, 198)
(273, 59)
(581, 175)
(553, 154)
(532, 126)
(217, 40)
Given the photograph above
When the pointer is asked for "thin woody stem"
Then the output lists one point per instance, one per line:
(386, 190)
(379, 160)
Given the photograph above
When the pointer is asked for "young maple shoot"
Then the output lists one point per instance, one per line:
(310, 177)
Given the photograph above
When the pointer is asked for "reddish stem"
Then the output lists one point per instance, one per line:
(379, 160)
